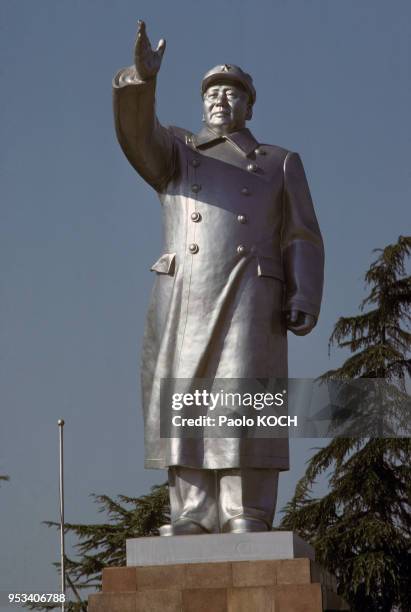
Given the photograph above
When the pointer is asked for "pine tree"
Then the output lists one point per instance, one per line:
(361, 529)
(104, 544)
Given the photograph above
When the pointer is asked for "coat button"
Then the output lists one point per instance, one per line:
(252, 167)
(193, 248)
(196, 217)
(195, 163)
(241, 218)
(245, 191)
(241, 249)
(260, 151)
(196, 188)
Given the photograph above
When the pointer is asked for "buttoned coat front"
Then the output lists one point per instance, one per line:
(241, 246)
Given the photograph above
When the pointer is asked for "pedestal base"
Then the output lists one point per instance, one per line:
(286, 585)
(259, 546)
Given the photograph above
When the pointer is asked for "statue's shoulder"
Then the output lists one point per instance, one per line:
(181, 133)
(274, 151)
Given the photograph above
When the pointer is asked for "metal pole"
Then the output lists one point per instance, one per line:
(60, 423)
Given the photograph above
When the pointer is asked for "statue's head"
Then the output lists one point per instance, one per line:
(228, 97)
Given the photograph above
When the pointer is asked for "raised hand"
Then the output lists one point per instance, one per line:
(300, 323)
(147, 61)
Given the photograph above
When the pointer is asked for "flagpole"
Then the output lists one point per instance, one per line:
(60, 423)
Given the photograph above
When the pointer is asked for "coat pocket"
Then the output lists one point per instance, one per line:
(165, 264)
(271, 267)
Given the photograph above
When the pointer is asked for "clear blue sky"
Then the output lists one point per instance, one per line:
(79, 229)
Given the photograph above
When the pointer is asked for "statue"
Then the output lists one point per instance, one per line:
(242, 263)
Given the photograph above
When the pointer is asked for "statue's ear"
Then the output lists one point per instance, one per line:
(249, 112)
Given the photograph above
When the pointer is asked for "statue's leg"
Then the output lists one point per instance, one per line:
(193, 501)
(247, 498)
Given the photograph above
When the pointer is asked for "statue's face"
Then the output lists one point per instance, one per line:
(226, 107)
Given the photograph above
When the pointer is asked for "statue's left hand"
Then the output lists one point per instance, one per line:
(300, 323)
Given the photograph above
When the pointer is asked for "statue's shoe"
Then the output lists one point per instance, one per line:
(244, 524)
(182, 526)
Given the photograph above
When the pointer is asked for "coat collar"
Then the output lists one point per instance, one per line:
(243, 140)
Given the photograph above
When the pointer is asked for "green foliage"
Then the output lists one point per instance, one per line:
(361, 529)
(104, 544)
(379, 338)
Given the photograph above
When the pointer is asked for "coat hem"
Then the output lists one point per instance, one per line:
(235, 462)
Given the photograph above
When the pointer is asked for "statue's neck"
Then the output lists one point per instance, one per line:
(223, 130)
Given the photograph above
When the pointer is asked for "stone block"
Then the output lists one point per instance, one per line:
(208, 575)
(117, 579)
(162, 600)
(204, 600)
(160, 577)
(254, 573)
(112, 602)
(298, 598)
(217, 547)
(250, 599)
(294, 571)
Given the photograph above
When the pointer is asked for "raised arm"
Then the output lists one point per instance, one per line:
(148, 146)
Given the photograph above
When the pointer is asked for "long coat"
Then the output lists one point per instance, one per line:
(241, 246)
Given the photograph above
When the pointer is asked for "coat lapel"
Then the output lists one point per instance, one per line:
(242, 140)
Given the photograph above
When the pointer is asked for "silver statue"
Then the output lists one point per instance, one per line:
(242, 262)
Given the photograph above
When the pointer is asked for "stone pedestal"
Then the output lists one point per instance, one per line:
(273, 585)
(257, 546)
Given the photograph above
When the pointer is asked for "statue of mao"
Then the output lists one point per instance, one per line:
(242, 262)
